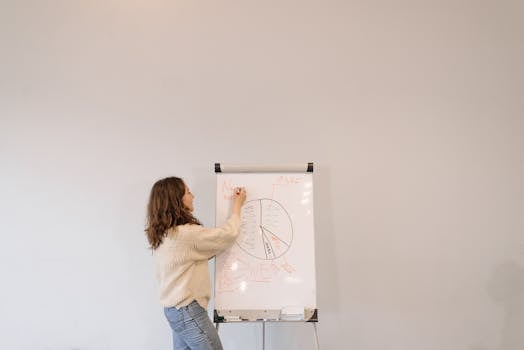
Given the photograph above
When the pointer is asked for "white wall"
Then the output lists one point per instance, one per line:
(411, 111)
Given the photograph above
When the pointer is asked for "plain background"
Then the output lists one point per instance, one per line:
(411, 110)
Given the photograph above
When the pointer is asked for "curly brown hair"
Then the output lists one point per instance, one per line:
(166, 209)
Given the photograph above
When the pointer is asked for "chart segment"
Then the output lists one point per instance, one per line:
(266, 230)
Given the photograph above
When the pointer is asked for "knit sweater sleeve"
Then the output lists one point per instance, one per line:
(211, 241)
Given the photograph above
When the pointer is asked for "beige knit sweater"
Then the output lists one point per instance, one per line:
(181, 261)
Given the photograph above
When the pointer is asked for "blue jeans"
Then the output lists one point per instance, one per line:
(192, 328)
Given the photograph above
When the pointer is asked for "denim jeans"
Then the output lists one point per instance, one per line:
(192, 328)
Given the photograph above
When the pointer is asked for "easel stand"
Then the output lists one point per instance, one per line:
(258, 279)
(264, 331)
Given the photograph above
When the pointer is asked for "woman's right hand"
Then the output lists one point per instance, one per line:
(239, 198)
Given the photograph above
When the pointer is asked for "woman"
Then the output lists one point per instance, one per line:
(181, 248)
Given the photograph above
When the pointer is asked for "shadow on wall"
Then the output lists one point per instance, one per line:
(506, 288)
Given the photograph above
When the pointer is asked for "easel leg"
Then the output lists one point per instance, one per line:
(316, 335)
(263, 335)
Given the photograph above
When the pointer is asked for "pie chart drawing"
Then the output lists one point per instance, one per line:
(266, 230)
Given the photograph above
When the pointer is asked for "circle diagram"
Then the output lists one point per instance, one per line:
(266, 231)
